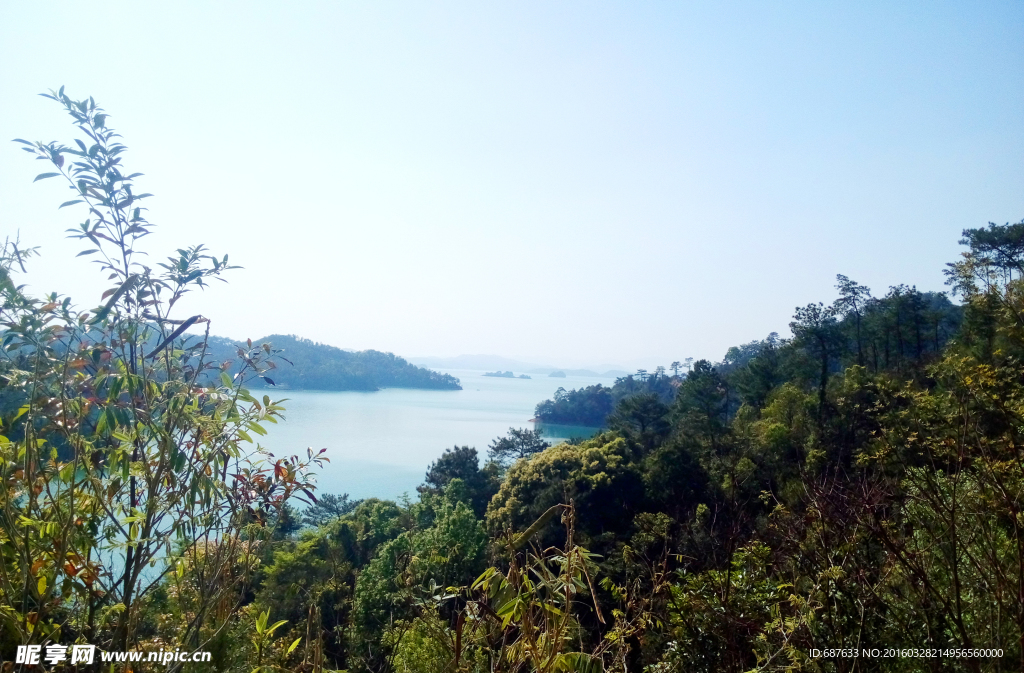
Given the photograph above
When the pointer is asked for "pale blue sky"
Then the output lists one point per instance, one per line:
(567, 182)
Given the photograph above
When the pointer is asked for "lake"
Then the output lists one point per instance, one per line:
(380, 444)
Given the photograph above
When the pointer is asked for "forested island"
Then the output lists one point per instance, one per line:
(305, 364)
(854, 488)
(505, 375)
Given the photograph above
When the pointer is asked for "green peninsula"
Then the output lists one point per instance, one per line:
(306, 364)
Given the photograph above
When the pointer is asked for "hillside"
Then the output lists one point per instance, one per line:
(905, 325)
(306, 364)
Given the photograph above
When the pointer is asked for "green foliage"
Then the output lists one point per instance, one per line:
(518, 443)
(262, 639)
(591, 406)
(642, 417)
(119, 465)
(587, 406)
(461, 463)
(446, 553)
(327, 508)
(309, 583)
(428, 644)
(701, 408)
(714, 610)
(855, 486)
(599, 476)
(758, 371)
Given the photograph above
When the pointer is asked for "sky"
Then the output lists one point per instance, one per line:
(566, 183)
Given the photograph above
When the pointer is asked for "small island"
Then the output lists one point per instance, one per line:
(558, 374)
(523, 376)
(504, 375)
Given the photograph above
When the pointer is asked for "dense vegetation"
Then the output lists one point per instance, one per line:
(801, 494)
(124, 479)
(302, 363)
(880, 334)
(591, 406)
(588, 406)
(858, 486)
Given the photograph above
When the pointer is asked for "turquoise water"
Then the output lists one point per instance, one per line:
(380, 444)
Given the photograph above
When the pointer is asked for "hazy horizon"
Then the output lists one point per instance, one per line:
(567, 184)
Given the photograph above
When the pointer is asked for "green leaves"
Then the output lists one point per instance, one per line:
(176, 333)
(145, 459)
(541, 521)
(578, 662)
(128, 284)
(264, 633)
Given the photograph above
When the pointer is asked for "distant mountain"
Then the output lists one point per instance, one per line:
(610, 374)
(485, 362)
(499, 363)
(316, 366)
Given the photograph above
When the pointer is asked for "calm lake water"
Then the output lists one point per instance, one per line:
(380, 444)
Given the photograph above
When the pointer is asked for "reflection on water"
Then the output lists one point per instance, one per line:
(380, 444)
(555, 433)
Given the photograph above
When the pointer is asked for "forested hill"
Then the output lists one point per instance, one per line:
(904, 329)
(306, 364)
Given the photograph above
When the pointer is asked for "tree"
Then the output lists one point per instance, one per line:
(596, 474)
(447, 553)
(814, 327)
(530, 614)
(119, 458)
(762, 373)
(643, 417)
(675, 367)
(327, 508)
(286, 520)
(995, 255)
(588, 406)
(518, 443)
(851, 302)
(701, 407)
(461, 462)
(738, 356)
